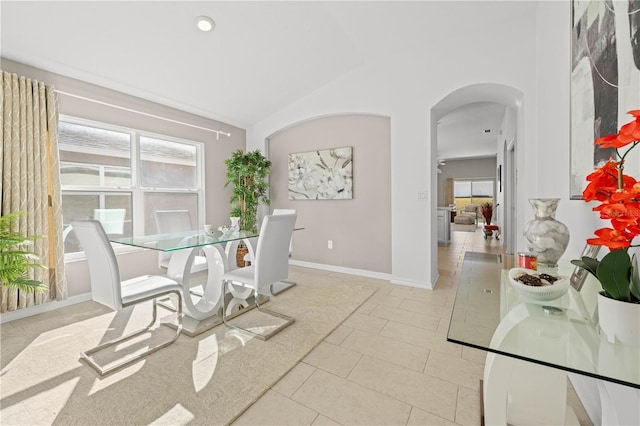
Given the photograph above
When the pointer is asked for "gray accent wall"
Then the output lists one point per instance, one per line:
(359, 228)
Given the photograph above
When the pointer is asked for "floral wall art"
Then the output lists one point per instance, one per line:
(605, 79)
(321, 175)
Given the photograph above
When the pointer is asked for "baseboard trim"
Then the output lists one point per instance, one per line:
(341, 269)
(45, 307)
(412, 283)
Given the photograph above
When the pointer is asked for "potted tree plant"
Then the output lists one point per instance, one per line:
(15, 258)
(247, 172)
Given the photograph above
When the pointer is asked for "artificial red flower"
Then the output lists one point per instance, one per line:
(611, 238)
(629, 133)
(603, 182)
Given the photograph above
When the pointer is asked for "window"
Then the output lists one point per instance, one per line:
(467, 192)
(121, 176)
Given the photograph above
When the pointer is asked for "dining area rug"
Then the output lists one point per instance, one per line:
(207, 379)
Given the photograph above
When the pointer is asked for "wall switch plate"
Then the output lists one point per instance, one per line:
(330, 244)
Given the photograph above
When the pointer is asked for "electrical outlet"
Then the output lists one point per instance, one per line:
(330, 244)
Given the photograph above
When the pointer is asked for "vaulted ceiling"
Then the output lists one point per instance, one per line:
(260, 57)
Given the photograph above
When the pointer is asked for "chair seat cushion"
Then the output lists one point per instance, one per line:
(464, 219)
(146, 286)
(243, 275)
(491, 227)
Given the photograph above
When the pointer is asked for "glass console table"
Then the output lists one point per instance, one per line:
(524, 337)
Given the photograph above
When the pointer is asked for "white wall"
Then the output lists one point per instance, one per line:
(405, 87)
(553, 71)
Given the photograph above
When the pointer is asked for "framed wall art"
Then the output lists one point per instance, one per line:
(325, 174)
(605, 79)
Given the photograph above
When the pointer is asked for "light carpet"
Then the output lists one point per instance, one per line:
(208, 379)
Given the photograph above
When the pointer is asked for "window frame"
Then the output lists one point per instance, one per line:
(136, 190)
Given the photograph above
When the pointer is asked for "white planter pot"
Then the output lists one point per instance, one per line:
(619, 321)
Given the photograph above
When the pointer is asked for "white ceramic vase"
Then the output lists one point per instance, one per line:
(619, 320)
(235, 223)
(545, 236)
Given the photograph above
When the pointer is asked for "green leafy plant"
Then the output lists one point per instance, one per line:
(15, 258)
(617, 273)
(247, 172)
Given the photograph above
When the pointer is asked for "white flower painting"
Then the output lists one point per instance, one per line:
(321, 175)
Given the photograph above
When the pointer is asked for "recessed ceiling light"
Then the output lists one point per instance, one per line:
(204, 23)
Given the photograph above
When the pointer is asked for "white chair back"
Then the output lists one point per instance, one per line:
(112, 220)
(169, 222)
(272, 253)
(286, 211)
(103, 266)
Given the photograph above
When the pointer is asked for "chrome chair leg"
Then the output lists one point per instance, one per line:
(87, 355)
(264, 337)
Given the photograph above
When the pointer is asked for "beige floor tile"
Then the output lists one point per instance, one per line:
(365, 323)
(333, 359)
(386, 300)
(420, 337)
(324, 421)
(349, 403)
(366, 307)
(440, 311)
(455, 370)
(475, 355)
(411, 318)
(339, 334)
(274, 409)
(420, 417)
(294, 379)
(399, 353)
(428, 393)
(468, 407)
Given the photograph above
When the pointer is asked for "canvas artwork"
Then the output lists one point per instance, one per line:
(605, 79)
(321, 175)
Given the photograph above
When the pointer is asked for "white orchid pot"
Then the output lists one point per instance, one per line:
(619, 320)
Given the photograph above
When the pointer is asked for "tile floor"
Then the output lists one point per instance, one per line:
(389, 362)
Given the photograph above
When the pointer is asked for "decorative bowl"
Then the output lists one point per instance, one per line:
(542, 293)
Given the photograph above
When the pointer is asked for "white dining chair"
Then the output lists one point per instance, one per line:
(271, 265)
(112, 220)
(108, 289)
(174, 221)
(282, 285)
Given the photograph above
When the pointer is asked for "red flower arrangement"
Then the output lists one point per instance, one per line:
(619, 197)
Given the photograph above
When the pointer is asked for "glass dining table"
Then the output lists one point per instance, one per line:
(524, 338)
(202, 303)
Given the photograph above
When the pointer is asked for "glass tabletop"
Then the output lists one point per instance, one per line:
(184, 240)
(489, 314)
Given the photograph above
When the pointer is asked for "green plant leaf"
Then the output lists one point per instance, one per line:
(587, 263)
(614, 274)
(635, 277)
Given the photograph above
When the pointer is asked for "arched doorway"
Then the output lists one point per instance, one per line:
(506, 151)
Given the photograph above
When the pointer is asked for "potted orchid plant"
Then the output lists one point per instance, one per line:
(618, 195)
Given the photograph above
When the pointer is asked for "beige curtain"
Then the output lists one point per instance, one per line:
(30, 180)
(448, 191)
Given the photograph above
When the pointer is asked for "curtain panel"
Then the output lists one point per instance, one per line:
(30, 181)
(448, 192)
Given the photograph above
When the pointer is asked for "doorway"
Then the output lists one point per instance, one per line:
(506, 173)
